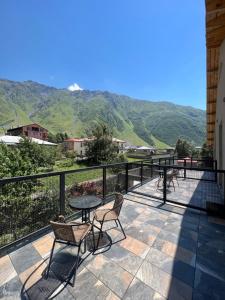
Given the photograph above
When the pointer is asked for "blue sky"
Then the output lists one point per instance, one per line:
(147, 49)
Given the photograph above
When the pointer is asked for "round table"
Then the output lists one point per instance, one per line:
(85, 203)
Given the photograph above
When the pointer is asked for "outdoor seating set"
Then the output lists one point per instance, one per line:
(78, 233)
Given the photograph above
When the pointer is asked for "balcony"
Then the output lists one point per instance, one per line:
(171, 251)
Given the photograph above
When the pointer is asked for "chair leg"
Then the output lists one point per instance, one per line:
(76, 265)
(122, 229)
(173, 185)
(50, 258)
(100, 233)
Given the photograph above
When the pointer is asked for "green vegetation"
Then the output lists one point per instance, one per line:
(139, 122)
(101, 149)
(206, 151)
(58, 137)
(183, 148)
(158, 144)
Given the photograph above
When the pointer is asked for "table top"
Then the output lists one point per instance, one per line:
(85, 202)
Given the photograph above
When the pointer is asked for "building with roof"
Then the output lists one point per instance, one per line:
(79, 145)
(11, 140)
(215, 42)
(33, 130)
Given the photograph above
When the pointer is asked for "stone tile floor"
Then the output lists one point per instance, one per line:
(187, 191)
(169, 253)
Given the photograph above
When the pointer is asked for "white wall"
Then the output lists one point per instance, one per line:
(220, 111)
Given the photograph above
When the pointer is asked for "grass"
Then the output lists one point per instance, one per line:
(159, 144)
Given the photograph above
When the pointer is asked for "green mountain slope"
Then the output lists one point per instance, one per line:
(137, 121)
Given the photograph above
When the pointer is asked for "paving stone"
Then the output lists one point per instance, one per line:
(7, 271)
(163, 283)
(44, 288)
(176, 268)
(24, 258)
(135, 246)
(144, 233)
(209, 285)
(215, 266)
(33, 274)
(11, 289)
(44, 245)
(88, 287)
(124, 258)
(111, 274)
(64, 294)
(139, 290)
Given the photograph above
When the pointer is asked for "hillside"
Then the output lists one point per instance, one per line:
(137, 121)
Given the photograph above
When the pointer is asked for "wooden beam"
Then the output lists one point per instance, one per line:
(219, 20)
(214, 87)
(212, 5)
(211, 113)
(213, 70)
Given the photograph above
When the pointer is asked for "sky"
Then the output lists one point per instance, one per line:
(146, 49)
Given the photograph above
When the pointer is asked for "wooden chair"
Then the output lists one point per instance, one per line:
(102, 215)
(72, 233)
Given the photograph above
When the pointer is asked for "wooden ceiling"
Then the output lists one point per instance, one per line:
(215, 34)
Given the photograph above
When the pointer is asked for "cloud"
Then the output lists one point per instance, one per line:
(74, 87)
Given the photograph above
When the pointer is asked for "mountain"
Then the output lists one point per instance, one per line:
(137, 121)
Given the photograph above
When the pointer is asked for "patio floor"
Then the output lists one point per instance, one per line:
(169, 253)
(189, 191)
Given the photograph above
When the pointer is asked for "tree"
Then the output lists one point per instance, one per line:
(58, 137)
(206, 151)
(183, 148)
(40, 156)
(101, 149)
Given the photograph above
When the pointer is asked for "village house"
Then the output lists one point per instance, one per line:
(79, 145)
(31, 131)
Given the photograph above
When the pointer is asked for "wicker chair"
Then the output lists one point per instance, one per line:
(102, 215)
(171, 176)
(72, 233)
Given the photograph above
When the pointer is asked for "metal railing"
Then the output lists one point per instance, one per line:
(28, 203)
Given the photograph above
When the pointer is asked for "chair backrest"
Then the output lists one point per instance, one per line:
(118, 203)
(63, 232)
(175, 172)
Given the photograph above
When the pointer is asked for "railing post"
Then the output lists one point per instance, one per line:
(126, 180)
(104, 182)
(191, 161)
(62, 194)
(216, 175)
(185, 168)
(141, 172)
(164, 183)
(173, 160)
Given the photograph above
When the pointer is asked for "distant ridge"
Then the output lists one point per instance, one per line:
(140, 122)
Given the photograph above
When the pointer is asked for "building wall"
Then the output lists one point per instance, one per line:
(31, 131)
(77, 146)
(219, 141)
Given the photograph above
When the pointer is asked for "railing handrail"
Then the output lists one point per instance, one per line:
(57, 173)
(185, 167)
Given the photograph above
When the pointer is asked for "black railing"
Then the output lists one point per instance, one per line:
(194, 187)
(27, 203)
